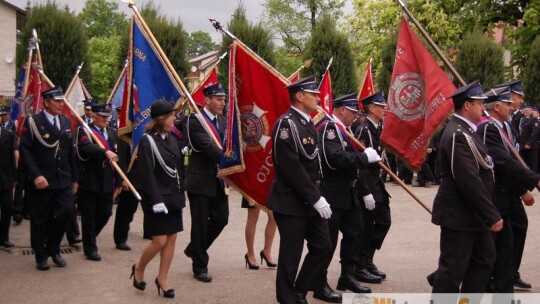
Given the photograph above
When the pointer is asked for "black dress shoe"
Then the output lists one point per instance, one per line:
(203, 277)
(17, 218)
(519, 283)
(364, 275)
(431, 278)
(187, 253)
(349, 283)
(123, 246)
(94, 256)
(301, 299)
(42, 266)
(374, 270)
(327, 294)
(74, 241)
(58, 260)
(6, 244)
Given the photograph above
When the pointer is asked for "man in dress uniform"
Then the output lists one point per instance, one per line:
(370, 186)
(299, 209)
(9, 153)
(520, 222)
(209, 203)
(512, 181)
(87, 117)
(5, 122)
(528, 137)
(48, 155)
(341, 159)
(97, 178)
(463, 206)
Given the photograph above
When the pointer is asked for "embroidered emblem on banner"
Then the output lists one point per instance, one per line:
(407, 97)
(255, 128)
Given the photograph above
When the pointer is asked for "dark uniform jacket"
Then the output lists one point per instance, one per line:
(511, 178)
(464, 198)
(529, 129)
(369, 180)
(294, 154)
(204, 160)
(340, 163)
(96, 174)
(8, 172)
(57, 165)
(157, 186)
(514, 123)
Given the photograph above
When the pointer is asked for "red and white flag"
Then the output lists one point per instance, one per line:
(418, 101)
(367, 88)
(197, 93)
(33, 102)
(325, 88)
(75, 94)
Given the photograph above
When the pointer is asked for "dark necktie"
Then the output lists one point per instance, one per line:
(214, 120)
(55, 124)
(103, 133)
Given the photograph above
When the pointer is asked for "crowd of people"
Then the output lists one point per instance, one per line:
(328, 180)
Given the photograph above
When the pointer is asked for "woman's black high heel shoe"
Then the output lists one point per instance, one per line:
(169, 293)
(251, 266)
(268, 263)
(139, 285)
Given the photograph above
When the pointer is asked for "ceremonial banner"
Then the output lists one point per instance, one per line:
(367, 86)
(418, 99)
(18, 98)
(148, 80)
(75, 94)
(325, 87)
(295, 76)
(260, 96)
(197, 93)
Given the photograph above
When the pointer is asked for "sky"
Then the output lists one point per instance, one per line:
(193, 13)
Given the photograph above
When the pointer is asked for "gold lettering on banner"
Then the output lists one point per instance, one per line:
(139, 54)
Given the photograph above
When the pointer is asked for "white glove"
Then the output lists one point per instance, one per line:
(323, 208)
(185, 150)
(372, 155)
(369, 202)
(160, 208)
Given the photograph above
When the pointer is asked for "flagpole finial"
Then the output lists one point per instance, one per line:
(216, 24)
(129, 2)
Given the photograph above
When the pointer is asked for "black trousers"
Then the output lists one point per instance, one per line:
(350, 223)
(126, 208)
(503, 270)
(209, 215)
(96, 209)
(377, 223)
(20, 202)
(530, 157)
(50, 212)
(6, 203)
(72, 231)
(520, 223)
(293, 230)
(466, 259)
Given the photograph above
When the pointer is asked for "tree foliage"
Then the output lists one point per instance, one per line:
(199, 43)
(63, 42)
(531, 77)
(169, 34)
(480, 58)
(327, 42)
(101, 18)
(294, 20)
(255, 36)
(104, 57)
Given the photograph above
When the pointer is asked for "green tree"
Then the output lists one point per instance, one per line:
(530, 76)
(294, 20)
(522, 37)
(255, 36)
(327, 42)
(480, 58)
(169, 33)
(383, 72)
(104, 57)
(101, 18)
(63, 43)
(287, 63)
(199, 43)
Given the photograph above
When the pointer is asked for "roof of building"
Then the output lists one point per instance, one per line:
(13, 6)
(203, 56)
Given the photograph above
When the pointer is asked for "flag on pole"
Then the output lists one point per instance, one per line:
(260, 96)
(148, 80)
(418, 99)
(295, 76)
(197, 93)
(367, 86)
(325, 88)
(18, 98)
(75, 95)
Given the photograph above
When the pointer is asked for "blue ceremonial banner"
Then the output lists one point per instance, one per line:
(150, 80)
(18, 98)
(231, 160)
(116, 100)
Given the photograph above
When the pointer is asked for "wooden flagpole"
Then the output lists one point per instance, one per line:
(89, 131)
(122, 73)
(304, 65)
(171, 69)
(449, 65)
(71, 84)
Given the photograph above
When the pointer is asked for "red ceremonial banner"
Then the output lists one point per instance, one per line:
(261, 98)
(197, 94)
(326, 93)
(367, 86)
(33, 102)
(418, 99)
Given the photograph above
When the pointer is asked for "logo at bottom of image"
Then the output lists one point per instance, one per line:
(443, 298)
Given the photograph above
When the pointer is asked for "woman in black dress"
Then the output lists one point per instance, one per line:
(162, 200)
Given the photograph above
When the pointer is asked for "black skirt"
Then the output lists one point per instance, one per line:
(161, 223)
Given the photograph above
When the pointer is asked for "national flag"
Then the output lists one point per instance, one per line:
(197, 93)
(418, 101)
(149, 80)
(325, 88)
(367, 86)
(75, 94)
(260, 96)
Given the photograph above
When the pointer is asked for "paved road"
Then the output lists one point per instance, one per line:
(410, 252)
